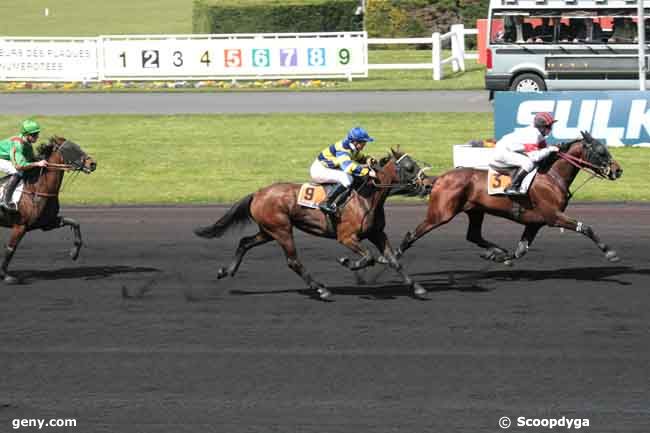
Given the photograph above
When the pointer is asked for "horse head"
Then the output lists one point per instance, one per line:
(594, 155)
(58, 150)
(399, 169)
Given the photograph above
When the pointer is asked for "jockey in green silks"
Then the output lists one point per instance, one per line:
(16, 157)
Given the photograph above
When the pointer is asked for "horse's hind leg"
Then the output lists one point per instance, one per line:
(380, 240)
(76, 230)
(474, 235)
(527, 238)
(245, 244)
(17, 233)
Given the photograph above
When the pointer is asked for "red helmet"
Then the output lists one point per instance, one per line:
(543, 119)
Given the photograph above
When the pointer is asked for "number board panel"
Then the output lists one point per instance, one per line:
(48, 59)
(236, 56)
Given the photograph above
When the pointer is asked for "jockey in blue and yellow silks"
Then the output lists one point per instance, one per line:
(338, 163)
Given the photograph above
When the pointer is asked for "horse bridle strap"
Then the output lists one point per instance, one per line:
(581, 164)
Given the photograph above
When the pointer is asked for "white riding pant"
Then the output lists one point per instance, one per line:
(506, 157)
(321, 174)
(7, 167)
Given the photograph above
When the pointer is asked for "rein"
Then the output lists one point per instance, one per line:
(581, 164)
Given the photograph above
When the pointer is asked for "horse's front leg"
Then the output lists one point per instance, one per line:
(352, 242)
(76, 230)
(380, 240)
(17, 233)
(562, 220)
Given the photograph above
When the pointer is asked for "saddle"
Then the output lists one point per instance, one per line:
(500, 178)
(311, 195)
(18, 192)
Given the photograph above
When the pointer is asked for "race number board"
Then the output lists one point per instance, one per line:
(48, 59)
(287, 55)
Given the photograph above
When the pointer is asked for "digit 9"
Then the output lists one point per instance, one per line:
(344, 56)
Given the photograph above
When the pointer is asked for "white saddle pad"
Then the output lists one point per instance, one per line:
(18, 192)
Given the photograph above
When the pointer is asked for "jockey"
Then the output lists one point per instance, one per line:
(16, 156)
(525, 147)
(338, 163)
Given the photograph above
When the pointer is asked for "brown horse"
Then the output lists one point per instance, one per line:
(38, 207)
(276, 211)
(465, 190)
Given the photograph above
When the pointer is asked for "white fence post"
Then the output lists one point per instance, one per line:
(436, 56)
(458, 47)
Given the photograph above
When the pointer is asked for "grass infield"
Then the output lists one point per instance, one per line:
(220, 158)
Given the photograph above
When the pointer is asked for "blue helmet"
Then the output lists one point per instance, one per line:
(359, 134)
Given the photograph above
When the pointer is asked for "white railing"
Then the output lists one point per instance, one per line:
(458, 54)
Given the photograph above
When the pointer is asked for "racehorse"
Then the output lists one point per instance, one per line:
(38, 207)
(276, 211)
(465, 190)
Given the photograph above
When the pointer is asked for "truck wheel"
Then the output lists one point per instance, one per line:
(528, 83)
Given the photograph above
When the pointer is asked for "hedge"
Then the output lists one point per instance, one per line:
(261, 16)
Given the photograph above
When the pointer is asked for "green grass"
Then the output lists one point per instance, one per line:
(94, 17)
(220, 158)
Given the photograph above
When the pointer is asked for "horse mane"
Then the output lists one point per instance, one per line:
(546, 165)
(45, 150)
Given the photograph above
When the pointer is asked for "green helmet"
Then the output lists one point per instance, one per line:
(30, 126)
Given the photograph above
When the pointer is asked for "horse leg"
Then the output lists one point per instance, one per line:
(492, 250)
(433, 220)
(352, 242)
(76, 230)
(285, 238)
(245, 244)
(527, 238)
(380, 240)
(562, 220)
(17, 233)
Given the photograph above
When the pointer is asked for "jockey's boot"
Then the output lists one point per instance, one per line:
(7, 194)
(329, 206)
(517, 179)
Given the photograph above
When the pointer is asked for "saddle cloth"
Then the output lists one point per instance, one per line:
(18, 192)
(313, 194)
(499, 180)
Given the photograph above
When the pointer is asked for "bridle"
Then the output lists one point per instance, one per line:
(417, 179)
(591, 168)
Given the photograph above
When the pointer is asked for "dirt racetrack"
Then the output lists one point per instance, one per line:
(139, 336)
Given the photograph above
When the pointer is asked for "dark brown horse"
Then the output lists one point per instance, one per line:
(276, 211)
(465, 190)
(38, 207)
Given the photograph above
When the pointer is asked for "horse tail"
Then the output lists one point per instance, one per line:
(239, 214)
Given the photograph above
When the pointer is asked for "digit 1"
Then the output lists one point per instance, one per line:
(123, 56)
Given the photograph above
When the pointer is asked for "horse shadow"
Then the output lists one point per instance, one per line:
(462, 281)
(85, 272)
(592, 273)
(384, 291)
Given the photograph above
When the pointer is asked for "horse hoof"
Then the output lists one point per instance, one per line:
(382, 260)
(344, 261)
(419, 291)
(323, 293)
(222, 273)
(8, 279)
(399, 253)
(74, 253)
(507, 262)
(612, 256)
